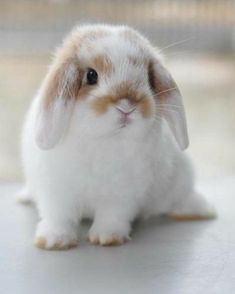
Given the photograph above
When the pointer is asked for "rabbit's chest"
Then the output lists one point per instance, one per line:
(116, 168)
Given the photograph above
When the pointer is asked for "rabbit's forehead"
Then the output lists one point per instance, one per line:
(109, 52)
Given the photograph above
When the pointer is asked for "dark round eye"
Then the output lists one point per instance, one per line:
(92, 76)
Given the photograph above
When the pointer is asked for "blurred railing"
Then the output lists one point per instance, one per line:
(37, 26)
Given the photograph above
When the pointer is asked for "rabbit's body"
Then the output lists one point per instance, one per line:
(145, 175)
(112, 166)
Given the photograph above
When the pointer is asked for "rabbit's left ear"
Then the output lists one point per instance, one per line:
(57, 98)
(170, 103)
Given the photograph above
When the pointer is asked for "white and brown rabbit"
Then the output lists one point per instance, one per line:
(103, 139)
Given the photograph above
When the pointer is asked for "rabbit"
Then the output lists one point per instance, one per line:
(104, 139)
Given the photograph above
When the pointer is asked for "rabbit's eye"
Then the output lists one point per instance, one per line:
(92, 76)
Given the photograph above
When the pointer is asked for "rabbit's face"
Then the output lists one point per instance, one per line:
(105, 81)
(115, 94)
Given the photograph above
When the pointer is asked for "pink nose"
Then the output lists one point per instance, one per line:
(126, 112)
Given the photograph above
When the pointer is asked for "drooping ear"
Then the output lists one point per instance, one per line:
(169, 99)
(57, 97)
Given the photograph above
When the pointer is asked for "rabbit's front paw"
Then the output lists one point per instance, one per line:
(55, 236)
(108, 234)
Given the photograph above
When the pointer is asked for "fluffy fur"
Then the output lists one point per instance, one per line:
(111, 151)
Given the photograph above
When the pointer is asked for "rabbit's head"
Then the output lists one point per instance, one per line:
(107, 80)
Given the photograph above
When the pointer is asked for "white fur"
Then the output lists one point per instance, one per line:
(107, 173)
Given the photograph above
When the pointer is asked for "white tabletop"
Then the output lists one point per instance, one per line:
(163, 257)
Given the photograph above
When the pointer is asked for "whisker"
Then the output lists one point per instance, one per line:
(175, 43)
(177, 53)
(169, 110)
(164, 91)
(162, 105)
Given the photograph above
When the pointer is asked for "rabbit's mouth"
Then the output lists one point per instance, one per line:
(124, 118)
(124, 121)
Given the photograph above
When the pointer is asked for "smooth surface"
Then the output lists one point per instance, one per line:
(163, 257)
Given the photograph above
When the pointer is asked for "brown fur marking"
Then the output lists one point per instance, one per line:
(124, 90)
(145, 107)
(64, 58)
(161, 86)
(84, 90)
(101, 104)
(190, 217)
(103, 64)
(56, 83)
(42, 244)
(112, 241)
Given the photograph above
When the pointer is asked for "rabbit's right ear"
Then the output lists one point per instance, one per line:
(57, 97)
(169, 99)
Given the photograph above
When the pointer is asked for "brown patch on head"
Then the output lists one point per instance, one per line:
(161, 85)
(127, 91)
(156, 84)
(101, 104)
(145, 107)
(103, 64)
(123, 91)
(64, 80)
(135, 97)
(65, 76)
(83, 91)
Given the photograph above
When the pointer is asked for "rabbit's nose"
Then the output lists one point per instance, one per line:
(125, 112)
(125, 107)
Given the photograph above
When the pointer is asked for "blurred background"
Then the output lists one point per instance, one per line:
(196, 37)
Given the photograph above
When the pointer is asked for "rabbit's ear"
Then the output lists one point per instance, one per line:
(169, 100)
(56, 102)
